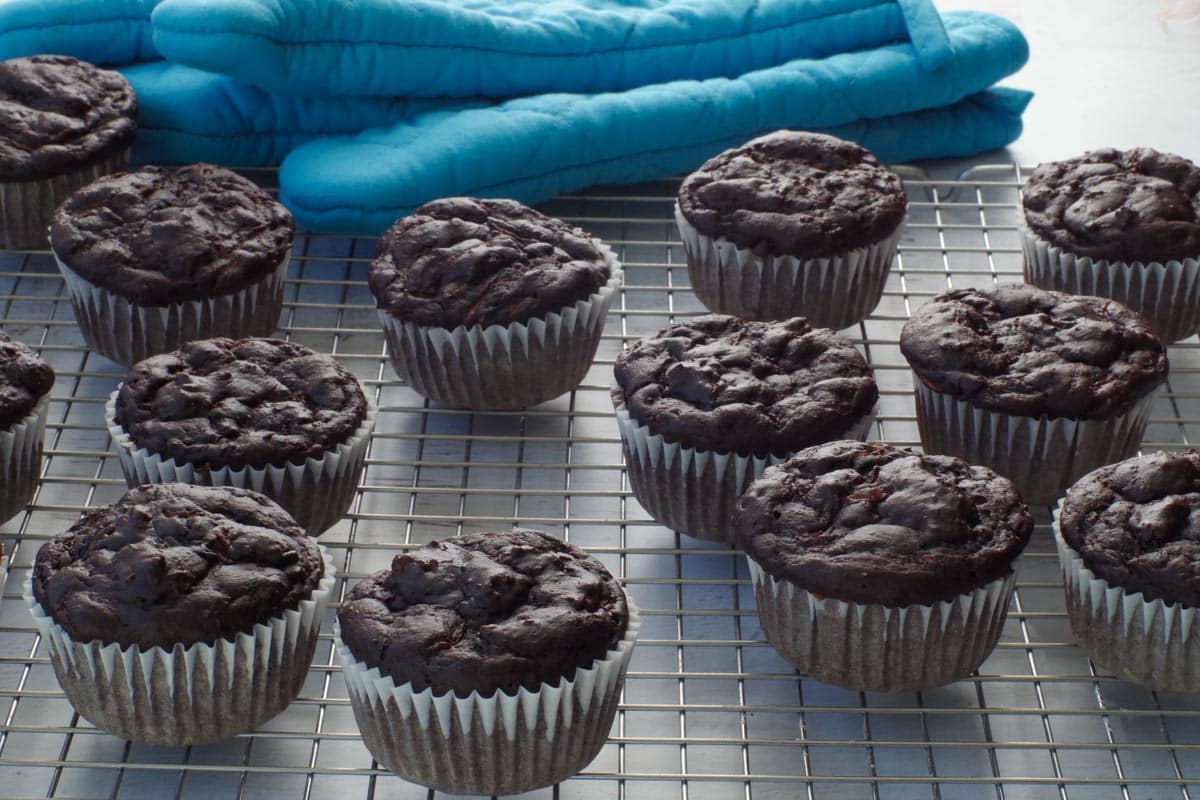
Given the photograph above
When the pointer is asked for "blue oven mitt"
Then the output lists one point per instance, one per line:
(533, 148)
(507, 48)
(924, 97)
(99, 31)
(187, 115)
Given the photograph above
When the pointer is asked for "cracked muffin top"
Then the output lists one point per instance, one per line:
(24, 380)
(794, 193)
(1121, 205)
(466, 261)
(1136, 524)
(485, 612)
(59, 114)
(872, 523)
(158, 236)
(174, 563)
(1021, 350)
(721, 383)
(223, 403)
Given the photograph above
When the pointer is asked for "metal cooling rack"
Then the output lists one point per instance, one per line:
(709, 709)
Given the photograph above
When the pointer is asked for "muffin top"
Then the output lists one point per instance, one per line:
(173, 563)
(1121, 205)
(465, 261)
(721, 383)
(24, 380)
(162, 235)
(871, 523)
(794, 193)
(1022, 350)
(485, 612)
(60, 115)
(224, 403)
(1136, 524)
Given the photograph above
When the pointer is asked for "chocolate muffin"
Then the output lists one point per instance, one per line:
(1040, 386)
(181, 614)
(25, 384)
(705, 405)
(1119, 224)
(463, 261)
(485, 612)
(25, 380)
(489, 304)
(162, 256)
(791, 224)
(221, 411)
(1129, 545)
(63, 123)
(879, 569)
(515, 625)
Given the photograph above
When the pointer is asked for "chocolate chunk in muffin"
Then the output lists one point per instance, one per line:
(724, 384)
(1120, 205)
(1136, 524)
(465, 261)
(175, 564)
(1022, 350)
(24, 380)
(223, 403)
(485, 612)
(794, 193)
(59, 114)
(872, 523)
(159, 236)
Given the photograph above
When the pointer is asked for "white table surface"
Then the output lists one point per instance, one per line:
(1105, 73)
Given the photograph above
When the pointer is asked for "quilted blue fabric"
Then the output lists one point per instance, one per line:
(508, 48)
(187, 115)
(536, 147)
(782, 63)
(99, 31)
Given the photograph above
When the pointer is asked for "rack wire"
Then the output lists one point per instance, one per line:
(709, 710)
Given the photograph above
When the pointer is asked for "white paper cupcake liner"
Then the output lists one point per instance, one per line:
(27, 206)
(834, 292)
(502, 367)
(1042, 456)
(1150, 642)
(21, 460)
(695, 491)
(503, 744)
(1167, 295)
(870, 647)
(317, 492)
(127, 333)
(194, 695)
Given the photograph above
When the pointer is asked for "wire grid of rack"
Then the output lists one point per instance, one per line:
(709, 710)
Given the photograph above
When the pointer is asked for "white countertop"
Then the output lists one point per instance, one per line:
(1105, 73)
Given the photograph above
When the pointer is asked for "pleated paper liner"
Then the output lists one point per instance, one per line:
(503, 744)
(696, 491)
(871, 647)
(317, 492)
(833, 292)
(1151, 642)
(1041, 455)
(1166, 294)
(501, 367)
(27, 206)
(21, 460)
(127, 333)
(188, 695)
